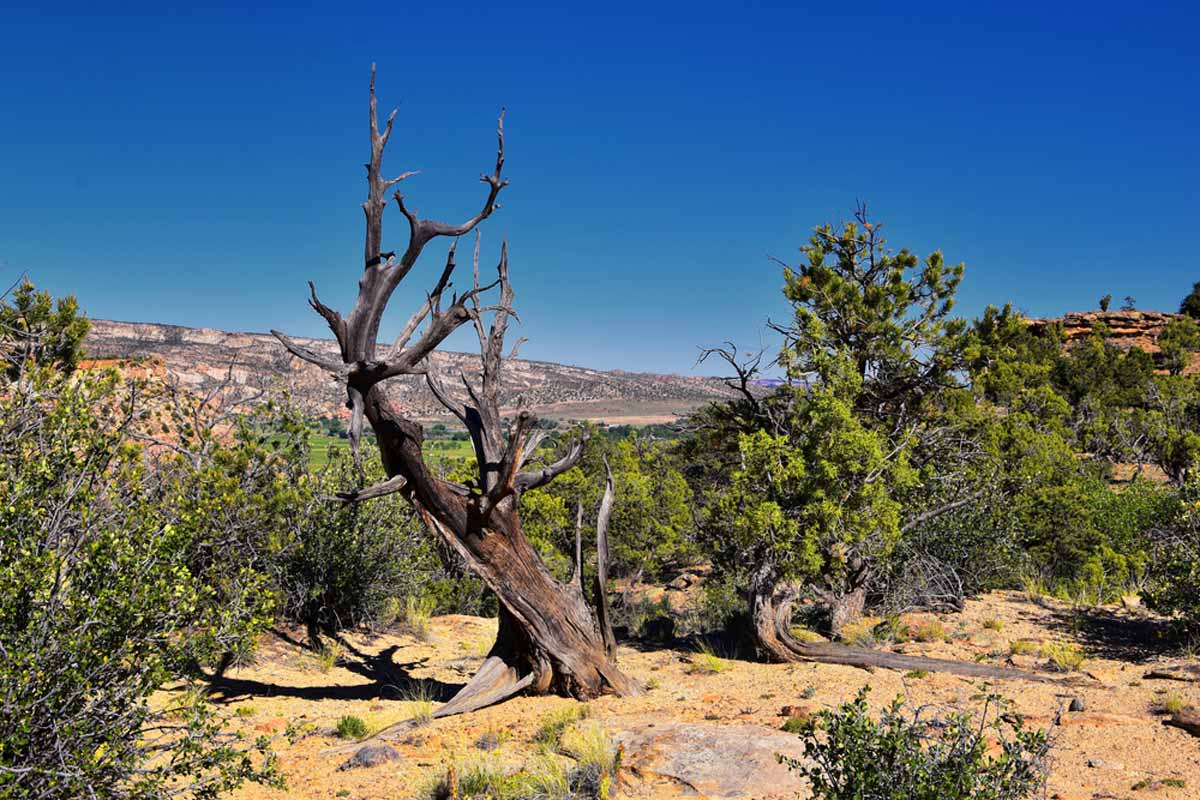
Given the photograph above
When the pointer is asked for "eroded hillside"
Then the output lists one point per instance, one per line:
(201, 358)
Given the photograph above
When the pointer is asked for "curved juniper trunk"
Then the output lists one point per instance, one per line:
(845, 608)
(549, 639)
(771, 603)
(771, 615)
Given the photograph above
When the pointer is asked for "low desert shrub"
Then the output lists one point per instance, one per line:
(1064, 656)
(550, 729)
(351, 727)
(327, 656)
(1170, 703)
(416, 615)
(1175, 564)
(794, 725)
(851, 756)
(1022, 647)
(586, 770)
(861, 633)
(420, 697)
(706, 662)
(930, 631)
(597, 759)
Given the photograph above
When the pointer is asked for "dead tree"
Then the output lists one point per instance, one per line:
(549, 639)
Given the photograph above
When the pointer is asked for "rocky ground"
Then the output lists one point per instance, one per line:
(716, 735)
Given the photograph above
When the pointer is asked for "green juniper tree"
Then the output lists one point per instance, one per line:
(823, 465)
(36, 328)
(1191, 303)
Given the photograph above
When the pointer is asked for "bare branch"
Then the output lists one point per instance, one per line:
(432, 304)
(603, 617)
(311, 357)
(434, 381)
(333, 318)
(511, 460)
(390, 486)
(428, 229)
(536, 478)
(577, 573)
(746, 369)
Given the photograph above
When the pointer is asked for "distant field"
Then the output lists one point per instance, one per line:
(320, 445)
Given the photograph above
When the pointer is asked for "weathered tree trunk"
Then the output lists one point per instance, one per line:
(549, 640)
(548, 633)
(846, 608)
(771, 605)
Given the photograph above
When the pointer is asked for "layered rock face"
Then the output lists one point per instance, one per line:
(1127, 329)
(203, 358)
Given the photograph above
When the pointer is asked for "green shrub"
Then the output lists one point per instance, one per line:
(351, 727)
(1170, 703)
(110, 588)
(1175, 564)
(1022, 647)
(706, 662)
(348, 562)
(795, 724)
(550, 729)
(851, 756)
(930, 631)
(1065, 656)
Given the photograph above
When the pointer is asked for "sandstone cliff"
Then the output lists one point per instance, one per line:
(201, 358)
(1127, 329)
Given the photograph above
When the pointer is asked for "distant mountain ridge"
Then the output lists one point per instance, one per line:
(201, 358)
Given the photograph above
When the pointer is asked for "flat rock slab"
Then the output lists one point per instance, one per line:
(715, 760)
(371, 755)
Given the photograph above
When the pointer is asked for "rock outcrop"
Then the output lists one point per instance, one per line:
(1126, 329)
(715, 761)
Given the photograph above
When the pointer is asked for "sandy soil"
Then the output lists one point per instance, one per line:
(1117, 742)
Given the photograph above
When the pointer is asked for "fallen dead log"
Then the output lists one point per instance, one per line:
(1188, 673)
(1186, 720)
(829, 653)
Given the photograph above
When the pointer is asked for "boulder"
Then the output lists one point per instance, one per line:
(714, 760)
(371, 755)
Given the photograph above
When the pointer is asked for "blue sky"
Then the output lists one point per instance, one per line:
(198, 165)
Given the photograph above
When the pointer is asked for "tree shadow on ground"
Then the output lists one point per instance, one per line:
(1116, 634)
(387, 680)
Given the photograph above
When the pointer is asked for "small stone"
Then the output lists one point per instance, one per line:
(488, 741)
(371, 755)
(1076, 704)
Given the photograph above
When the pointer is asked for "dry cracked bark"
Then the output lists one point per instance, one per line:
(549, 639)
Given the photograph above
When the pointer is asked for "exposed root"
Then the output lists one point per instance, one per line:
(495, 682)
(772, 613)
(868, 659)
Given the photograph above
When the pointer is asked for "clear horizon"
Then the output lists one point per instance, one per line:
(199, 167)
